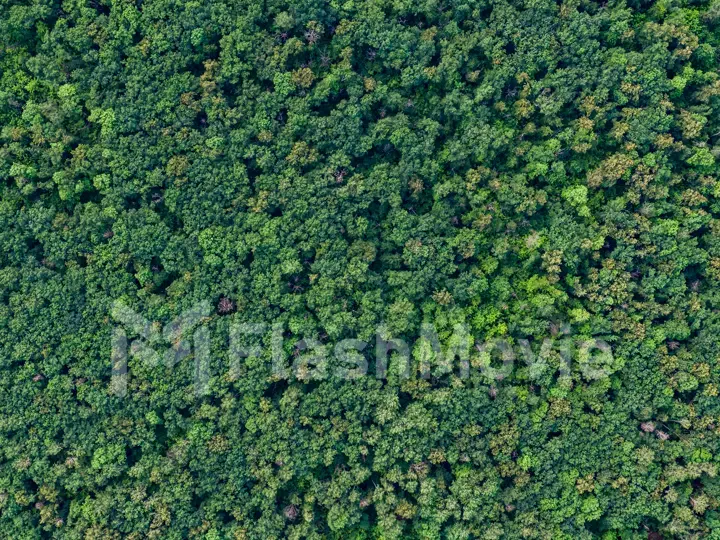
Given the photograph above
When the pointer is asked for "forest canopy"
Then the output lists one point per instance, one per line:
(541, 173)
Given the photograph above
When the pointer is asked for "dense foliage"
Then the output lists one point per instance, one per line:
(531, 168)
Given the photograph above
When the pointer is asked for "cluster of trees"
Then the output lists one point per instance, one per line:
(517, 166)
